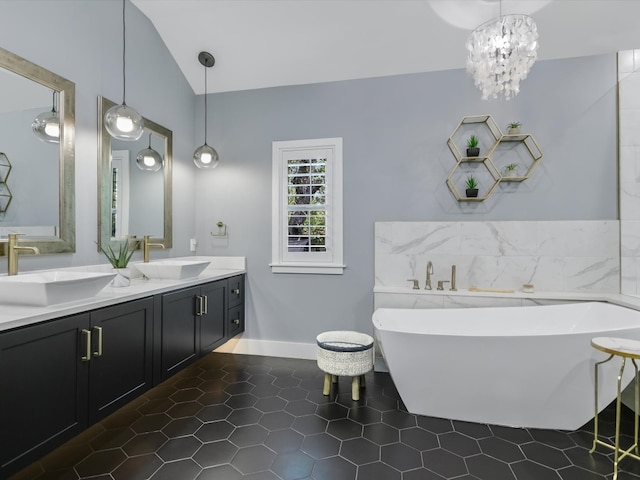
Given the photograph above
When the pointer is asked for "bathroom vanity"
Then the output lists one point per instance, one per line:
(64, 368)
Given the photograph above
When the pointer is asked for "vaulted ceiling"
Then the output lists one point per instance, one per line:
(266, 43)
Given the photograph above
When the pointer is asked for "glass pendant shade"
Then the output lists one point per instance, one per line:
(124, 123)
(501, 53)
(149, 160)
(46, 126)
(121, 121)
(206, 157)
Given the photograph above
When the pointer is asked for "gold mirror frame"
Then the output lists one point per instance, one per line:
(65, 242)
(104, 177)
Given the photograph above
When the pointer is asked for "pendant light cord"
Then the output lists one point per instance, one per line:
(205, 104)
(124, 50)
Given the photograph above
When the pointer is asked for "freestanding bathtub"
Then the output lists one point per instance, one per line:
(513, 366)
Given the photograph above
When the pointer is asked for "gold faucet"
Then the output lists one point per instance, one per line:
(146, 245)
(13, 252)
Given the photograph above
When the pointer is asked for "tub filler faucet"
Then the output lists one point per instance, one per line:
(429, 273)
(453, 278)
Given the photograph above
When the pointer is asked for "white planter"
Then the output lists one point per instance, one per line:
(122, 278)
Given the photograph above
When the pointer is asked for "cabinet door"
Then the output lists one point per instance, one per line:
(180, 332)
(235, 322)
(121, 362)
(212, 322)
(43, 389)
(236, 291)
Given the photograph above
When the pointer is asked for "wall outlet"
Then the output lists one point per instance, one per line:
(193, 244)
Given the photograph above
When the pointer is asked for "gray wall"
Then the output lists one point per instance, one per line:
(81, 41)
(395, 165)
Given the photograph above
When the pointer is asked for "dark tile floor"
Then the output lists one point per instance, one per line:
(236, 416)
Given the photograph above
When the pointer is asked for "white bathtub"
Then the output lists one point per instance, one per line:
(514, 366)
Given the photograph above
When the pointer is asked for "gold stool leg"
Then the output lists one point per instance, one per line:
(595, 396)
(616, 450)
(334, 378)
(637, 405)
(327, 384)
(355, 388)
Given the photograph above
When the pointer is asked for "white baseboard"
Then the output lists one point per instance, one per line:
(269, 348)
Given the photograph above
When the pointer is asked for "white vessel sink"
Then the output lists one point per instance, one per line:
(172, 269)
(48, 288)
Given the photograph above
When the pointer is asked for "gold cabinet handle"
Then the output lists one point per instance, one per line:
(236, 291)
(87, 337)
(236, 321)
(199, 305)
(206, 305)
(98, 352)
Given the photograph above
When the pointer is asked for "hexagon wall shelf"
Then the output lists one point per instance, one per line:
(5, 193)
(498, 151)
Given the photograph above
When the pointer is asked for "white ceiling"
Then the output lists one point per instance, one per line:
(266, 43)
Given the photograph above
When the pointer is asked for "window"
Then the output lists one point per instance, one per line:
(307, 206)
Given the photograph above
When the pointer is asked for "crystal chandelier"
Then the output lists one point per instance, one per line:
(501, 53)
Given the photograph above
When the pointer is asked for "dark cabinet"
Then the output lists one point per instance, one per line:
(212, 316)
(197, 320)
(43, 389)
(58, 377)
(179, 330)
(121, 361)
(235, 315)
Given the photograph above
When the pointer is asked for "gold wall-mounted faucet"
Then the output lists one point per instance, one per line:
(146, 245)
(13, 252)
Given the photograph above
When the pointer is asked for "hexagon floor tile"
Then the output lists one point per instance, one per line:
(228, 417)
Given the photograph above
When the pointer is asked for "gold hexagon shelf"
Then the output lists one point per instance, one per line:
(523, 148)
(484, 127)
(5, 193)
(490, 175)
(499, 151)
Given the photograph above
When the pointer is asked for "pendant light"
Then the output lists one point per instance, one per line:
(148, 159)
(500, 54)
(121, 121)
(46, 126)
(206, 156)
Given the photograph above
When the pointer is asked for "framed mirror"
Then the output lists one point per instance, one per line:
(131, 201)
(37, 178)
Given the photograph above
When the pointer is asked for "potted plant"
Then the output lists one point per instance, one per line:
(472, 146)
(511, 170)
(119, 262)
(513, 128)
(472, 187)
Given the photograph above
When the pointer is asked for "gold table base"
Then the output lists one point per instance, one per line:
(628, 349)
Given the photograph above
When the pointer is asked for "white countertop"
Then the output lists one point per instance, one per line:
(12, 316)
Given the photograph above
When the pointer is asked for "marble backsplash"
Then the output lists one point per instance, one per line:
(563, 256)
(629, 171)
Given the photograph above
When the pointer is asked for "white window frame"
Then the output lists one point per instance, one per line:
(283, 261)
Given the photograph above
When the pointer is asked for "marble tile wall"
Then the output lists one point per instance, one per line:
(563, 256)
(629, 154)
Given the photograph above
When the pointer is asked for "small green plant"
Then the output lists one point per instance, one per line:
(472, 142)
(514, 125)
(511, 167)
(471, 182)
(121, 259)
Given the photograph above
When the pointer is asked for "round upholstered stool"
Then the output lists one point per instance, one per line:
(343, 352)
